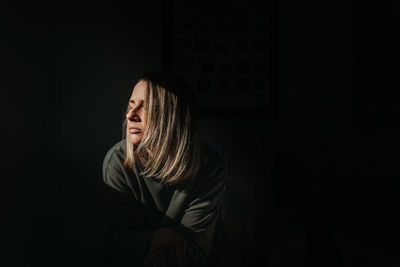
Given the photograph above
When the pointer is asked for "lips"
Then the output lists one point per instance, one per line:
(134, 130)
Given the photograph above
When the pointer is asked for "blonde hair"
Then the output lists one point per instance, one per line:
(170, 147)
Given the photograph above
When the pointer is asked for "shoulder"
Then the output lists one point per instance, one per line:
(115, 154)
(211, 180)
(213, 169)
(112, 169)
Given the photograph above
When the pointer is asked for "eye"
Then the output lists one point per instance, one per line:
(139, 106)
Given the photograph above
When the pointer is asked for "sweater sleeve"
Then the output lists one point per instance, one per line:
(199, 219)
(126, 227)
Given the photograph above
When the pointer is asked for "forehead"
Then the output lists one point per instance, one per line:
(139, 91)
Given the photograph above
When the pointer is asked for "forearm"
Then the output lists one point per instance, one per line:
(127, 234)
(136, 241)
(169, 248)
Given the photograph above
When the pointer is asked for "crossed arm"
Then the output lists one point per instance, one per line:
(182, 243)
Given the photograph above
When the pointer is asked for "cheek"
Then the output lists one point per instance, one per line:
(144, 120)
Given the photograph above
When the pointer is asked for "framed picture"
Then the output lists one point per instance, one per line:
(222, 50)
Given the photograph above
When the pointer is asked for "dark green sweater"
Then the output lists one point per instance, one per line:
(138, 205)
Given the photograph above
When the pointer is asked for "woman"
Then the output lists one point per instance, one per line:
(164, 185)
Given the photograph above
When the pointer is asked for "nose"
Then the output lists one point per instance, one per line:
(132, 115)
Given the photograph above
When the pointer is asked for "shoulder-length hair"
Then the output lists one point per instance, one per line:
(170, 147)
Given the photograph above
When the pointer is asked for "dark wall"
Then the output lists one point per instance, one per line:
(67, 71)
(312, 176)
(336, 159)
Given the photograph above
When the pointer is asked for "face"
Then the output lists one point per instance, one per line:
(136, 116)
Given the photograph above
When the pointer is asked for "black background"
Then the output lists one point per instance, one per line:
(314, 177)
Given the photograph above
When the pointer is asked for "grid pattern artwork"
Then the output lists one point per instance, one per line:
(221, 48)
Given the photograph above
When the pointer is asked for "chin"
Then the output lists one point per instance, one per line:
(135, 140)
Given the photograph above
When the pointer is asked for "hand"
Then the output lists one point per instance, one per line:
(168, 248)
